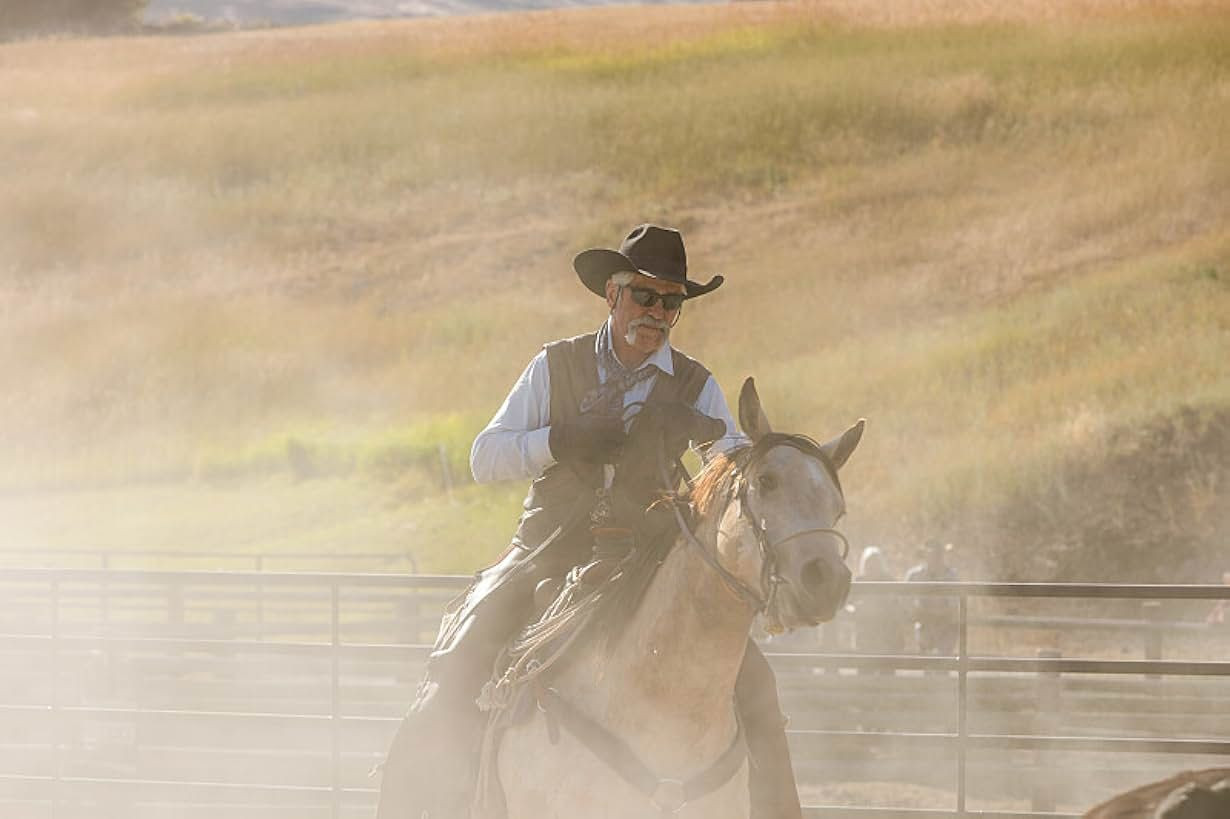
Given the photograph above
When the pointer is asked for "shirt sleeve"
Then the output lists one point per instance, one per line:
(712, 402)
(514, 443)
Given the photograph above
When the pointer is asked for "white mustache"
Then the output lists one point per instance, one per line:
(645, 321)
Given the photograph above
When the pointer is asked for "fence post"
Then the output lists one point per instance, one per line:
(260, 599)
(106, 595)
(175, 606)
(1152, 613)
(962, 696)
(1046, 720)
(335, 699)
(445, 471)
(57, 759)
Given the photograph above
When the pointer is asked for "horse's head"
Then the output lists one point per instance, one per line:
(775, 534)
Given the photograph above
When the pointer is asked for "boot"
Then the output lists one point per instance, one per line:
(432, 763)
(774, 793)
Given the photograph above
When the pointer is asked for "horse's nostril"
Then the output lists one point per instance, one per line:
(813, 576)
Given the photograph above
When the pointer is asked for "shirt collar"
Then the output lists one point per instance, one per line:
(661, 357)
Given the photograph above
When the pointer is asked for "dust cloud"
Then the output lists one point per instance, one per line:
(258, 290)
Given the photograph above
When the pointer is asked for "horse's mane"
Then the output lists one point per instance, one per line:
(711, 480)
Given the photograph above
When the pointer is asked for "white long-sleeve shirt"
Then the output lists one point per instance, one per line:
(514, 443)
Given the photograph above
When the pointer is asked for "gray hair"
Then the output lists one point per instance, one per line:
(623, 278)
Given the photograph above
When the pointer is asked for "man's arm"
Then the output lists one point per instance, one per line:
(712, 403)
(514, 443)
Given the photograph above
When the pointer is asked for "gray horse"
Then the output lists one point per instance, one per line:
(644, 720)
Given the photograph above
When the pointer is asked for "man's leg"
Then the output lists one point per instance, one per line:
(433, 759)
(774, 794)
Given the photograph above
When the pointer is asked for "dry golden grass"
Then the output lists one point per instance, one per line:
(997, 230)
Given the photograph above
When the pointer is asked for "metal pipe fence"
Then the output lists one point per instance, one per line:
(339, 617)
(189, 560)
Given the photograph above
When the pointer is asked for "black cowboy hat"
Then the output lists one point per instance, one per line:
(650, 250)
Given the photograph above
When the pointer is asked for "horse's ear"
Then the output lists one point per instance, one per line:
(751, 415)
(840, 448)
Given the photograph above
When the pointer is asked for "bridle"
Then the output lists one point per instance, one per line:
(770, 579)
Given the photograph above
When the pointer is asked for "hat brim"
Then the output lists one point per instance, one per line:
(596, 265)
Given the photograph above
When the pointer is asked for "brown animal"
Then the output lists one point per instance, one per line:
(1187, 795)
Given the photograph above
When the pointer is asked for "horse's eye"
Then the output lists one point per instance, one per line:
(766, 482)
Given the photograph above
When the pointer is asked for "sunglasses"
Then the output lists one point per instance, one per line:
(648, 298)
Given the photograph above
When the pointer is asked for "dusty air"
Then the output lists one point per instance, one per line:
(730, 410)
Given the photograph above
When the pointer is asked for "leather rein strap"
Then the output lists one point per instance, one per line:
(668, 795)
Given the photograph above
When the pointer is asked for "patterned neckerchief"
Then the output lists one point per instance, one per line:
(608, 397)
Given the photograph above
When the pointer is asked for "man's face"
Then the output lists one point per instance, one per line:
(652, 323)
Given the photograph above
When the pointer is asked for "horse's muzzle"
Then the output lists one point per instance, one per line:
(815, 592)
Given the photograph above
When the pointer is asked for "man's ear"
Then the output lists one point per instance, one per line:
(612, 294)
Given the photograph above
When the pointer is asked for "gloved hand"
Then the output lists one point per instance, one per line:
(590, 439)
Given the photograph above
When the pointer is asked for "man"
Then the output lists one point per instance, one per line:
(935, 618)
(563, 425)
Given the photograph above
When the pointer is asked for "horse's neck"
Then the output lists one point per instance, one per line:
(667, 681)
(688, 635)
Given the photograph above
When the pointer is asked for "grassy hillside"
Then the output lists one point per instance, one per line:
(289, 265)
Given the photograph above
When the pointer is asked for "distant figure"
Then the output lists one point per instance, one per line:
(879, 626)
(935, 618)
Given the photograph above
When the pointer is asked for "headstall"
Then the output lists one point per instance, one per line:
(770, 580)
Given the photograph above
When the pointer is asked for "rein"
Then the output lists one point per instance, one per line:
(770, 580)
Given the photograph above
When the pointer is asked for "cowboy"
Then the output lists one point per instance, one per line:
(563, 425)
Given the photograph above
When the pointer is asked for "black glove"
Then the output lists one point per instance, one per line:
(680, 424)
(590, 439)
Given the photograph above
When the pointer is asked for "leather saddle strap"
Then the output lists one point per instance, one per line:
(623, 760)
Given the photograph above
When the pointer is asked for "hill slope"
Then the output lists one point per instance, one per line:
(301, 12)
(258, 261)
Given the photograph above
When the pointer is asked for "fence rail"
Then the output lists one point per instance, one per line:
(69, 634)
(400, 562)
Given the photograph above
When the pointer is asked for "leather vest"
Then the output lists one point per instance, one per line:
(564, 494)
